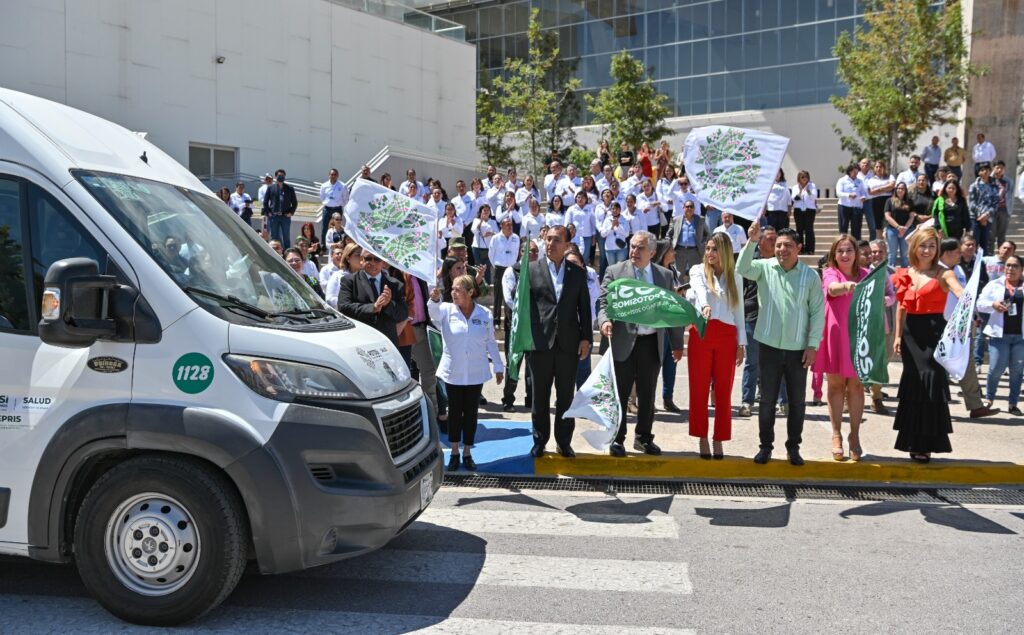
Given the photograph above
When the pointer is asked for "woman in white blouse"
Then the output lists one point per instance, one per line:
(526, 192)
(718, 295)
(779, 204)
(484, 228)
(556, 211)
(615, 230)
(510, 209)
(447, 227)
(805, 207)
(467, 330)
(532, 222)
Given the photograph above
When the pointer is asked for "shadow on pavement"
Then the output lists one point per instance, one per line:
(640, 510)
(766, 518)
(950, 516)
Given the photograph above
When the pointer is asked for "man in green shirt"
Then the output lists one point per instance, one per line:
(790, 323)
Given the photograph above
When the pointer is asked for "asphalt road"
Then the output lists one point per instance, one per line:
(499, 561)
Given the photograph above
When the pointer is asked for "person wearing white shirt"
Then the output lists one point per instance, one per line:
(637, 219)
(331, 267)
(909, 176)
(718, 292)
(526, 192)
(779, 204)
(983, 153)
(594, 287)
(733, 231)
(448, 227)
(1003, 299)
(851, 194)
(438, 202)
(572, 173)
(504, 249)
(555, 215)
(410, 180)
(931, 154)
(680, 193)
(615, 231)
(647, 202)
(634, 182)
(463, 202)
(495, 194)
(880, 188)
(510, 209)
(664, 189)
(532, 222)
(512, 182)
(603, 207)
(581, 214)
(261, 194)
(467, 330)
(333, 197)
(483, 228)
(557, 183)
(351, 262)
(242, 202)
(604, 181)
(805, 207)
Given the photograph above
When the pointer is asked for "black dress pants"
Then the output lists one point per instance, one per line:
(640, 368)
(774, 364)
(558, 369)
(463, 412)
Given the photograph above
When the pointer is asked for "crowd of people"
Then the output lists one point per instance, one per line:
(636, 215)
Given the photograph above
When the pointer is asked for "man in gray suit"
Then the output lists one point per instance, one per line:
(637, 350)
(688, 235)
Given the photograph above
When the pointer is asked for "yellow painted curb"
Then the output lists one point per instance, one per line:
(940, 471)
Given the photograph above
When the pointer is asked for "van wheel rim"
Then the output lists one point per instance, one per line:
(152, 544)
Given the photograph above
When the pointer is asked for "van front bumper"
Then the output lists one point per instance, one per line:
(325, 486)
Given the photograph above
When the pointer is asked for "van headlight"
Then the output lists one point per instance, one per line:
(291, 381)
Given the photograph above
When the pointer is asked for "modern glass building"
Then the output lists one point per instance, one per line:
(707, 56)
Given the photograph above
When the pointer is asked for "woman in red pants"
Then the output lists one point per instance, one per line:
(717, 295)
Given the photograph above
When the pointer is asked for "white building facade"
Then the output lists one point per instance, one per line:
(248, 86)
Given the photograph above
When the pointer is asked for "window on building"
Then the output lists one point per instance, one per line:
(205, 160)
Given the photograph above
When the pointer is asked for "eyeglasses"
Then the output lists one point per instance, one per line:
(371, 258)
(1009, 266)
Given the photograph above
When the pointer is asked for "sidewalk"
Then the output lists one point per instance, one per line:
(987, 451)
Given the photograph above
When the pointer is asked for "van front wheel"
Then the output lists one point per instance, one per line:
(160, 540)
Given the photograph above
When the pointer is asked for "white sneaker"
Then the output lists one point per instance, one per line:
(782, 410)
(744, 410)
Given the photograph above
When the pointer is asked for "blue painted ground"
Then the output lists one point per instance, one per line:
(502, 447)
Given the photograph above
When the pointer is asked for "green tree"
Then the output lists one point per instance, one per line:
(532, 109)
(905, 71)
(492, 125)
(561, 80)
(631, 109)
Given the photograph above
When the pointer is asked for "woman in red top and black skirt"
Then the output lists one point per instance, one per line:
(922, 417)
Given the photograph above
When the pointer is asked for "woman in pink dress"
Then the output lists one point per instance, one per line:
(839, 279)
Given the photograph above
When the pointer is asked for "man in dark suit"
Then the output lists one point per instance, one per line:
(637, 350)
(562, 335)
(375, 298)
(688, 234)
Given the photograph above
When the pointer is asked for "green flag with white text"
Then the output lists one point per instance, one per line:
(521, 331)
(646, 304)
(867, 328)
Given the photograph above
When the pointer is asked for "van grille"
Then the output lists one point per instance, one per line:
(403, 429)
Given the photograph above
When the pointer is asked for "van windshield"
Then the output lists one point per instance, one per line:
(217, 260)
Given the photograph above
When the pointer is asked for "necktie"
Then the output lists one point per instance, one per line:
(640, 274)
(376, 289)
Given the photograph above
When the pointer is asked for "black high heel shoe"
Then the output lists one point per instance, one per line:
(468, 462)
(453, 463)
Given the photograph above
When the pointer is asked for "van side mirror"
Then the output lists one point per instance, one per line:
(76, 304)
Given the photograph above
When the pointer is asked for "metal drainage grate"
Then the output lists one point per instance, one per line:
(741, 490)
(982, 496)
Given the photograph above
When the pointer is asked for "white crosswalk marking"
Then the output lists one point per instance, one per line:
(553, 523)
(48, 615)
(585, 574)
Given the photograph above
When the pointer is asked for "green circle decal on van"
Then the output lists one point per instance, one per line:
(192, 373)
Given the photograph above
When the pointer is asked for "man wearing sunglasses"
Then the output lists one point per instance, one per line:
(375, 298)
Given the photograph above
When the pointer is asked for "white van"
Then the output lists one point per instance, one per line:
(174, 399)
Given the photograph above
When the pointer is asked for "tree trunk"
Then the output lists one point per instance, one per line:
(893, 132)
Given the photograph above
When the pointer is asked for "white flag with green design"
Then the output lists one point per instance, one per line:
(598, 401)
(400, 230)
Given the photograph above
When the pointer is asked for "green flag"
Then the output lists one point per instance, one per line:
(521, 332)
(436, 344)
(867, 328)
(643, 303)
